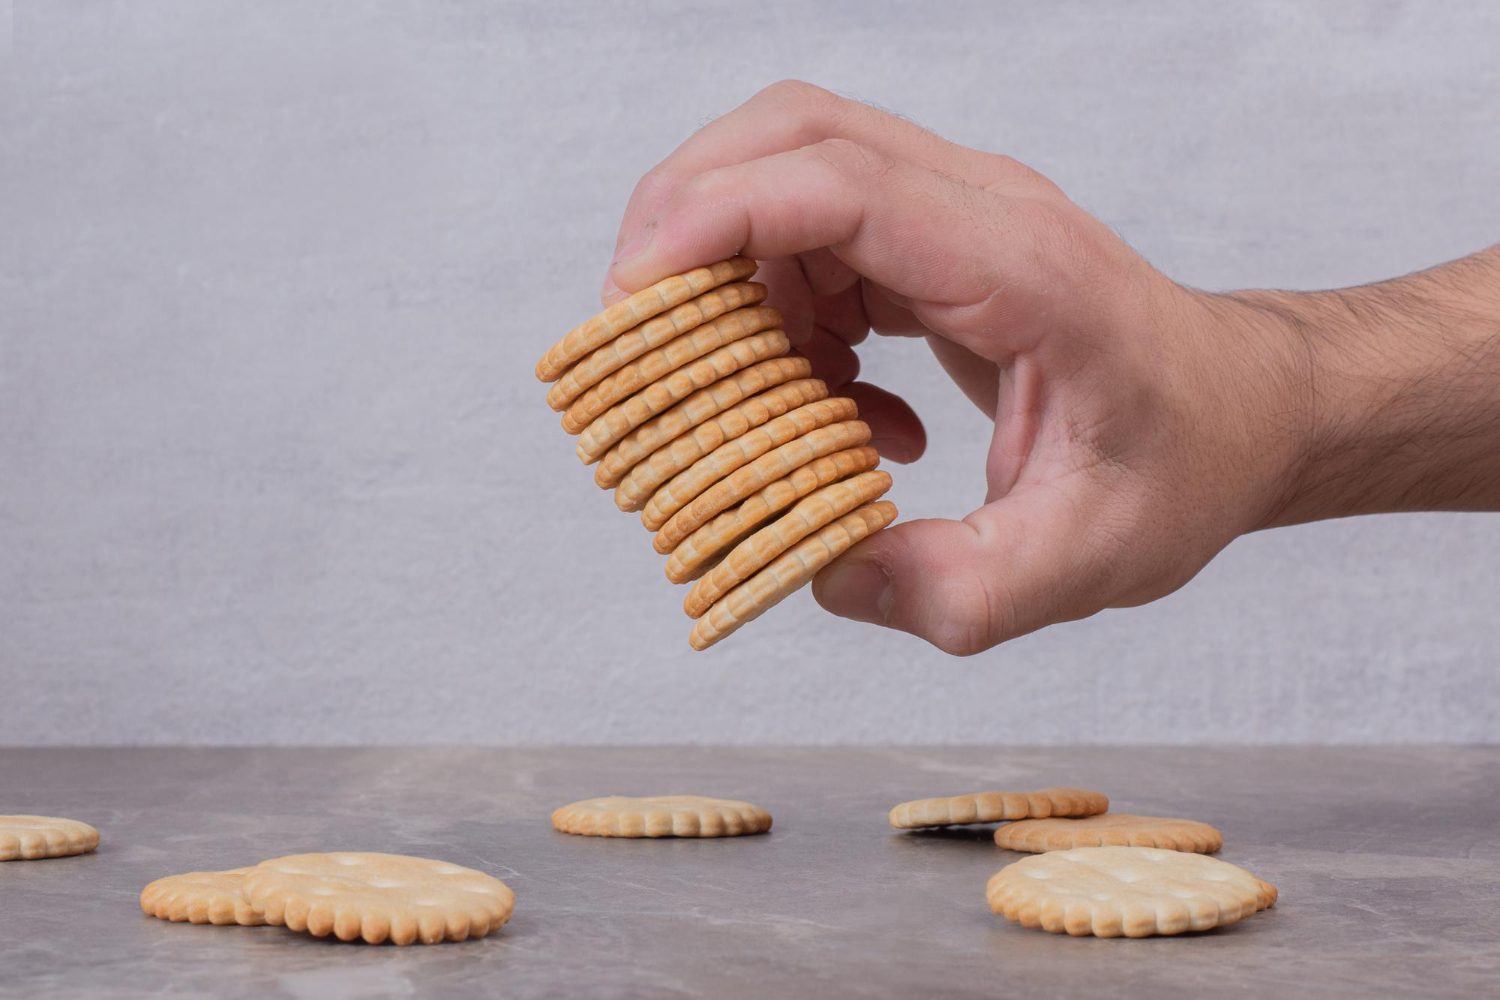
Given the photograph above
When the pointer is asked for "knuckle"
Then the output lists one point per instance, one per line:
(851, 159)
(793, 94)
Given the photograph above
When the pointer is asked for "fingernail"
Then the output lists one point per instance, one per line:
(858, 589)
(636, 243)
(610, 293)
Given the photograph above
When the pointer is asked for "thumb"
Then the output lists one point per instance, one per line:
(1013, 566)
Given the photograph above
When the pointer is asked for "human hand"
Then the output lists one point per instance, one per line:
(1140, 426)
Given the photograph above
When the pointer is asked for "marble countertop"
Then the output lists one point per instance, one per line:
(1388, 862)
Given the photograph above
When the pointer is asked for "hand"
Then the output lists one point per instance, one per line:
(1139, 426)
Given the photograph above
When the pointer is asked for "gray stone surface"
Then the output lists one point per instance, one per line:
(1388, 862)
(273, 277)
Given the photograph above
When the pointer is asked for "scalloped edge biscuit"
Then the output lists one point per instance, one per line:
(24, 837)
(742, 324)
(1125, 892)
(788, 573)
(995, 807)
(202, 898)
(377, 897)
(651, 334)
(812, 512)
(630, 312)
(661, 816)
(1110, 830)
(672, 388)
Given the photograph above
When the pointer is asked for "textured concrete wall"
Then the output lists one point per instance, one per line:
(273, 275)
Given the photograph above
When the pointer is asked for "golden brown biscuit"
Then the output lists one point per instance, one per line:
(826, 505)
(636, 309)
(634, 376)
(706, 470)
(1107, 830)
(661, 816)
(790, 571)
(202, 898)
(696, 553)
(740, 484)
(29, 838)
(651, 334)
(671, 389)
(993, 807)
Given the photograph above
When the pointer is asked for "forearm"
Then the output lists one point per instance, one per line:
(1399, 403)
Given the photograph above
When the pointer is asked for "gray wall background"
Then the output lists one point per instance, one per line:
(273, 276)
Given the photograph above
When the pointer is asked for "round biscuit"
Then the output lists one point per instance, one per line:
(30, 838)
(742, 482)
(661, 502)
(636, 487)
(1125, 892)
(651, 334)
(1110, 830)
(652, 365)
(697, 552)
(673, 388)
(811, 513)
(788, 572)
(636, 309)
(994, 807)
(661, 816)
(628, 446)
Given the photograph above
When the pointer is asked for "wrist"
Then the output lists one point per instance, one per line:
(1399, 392)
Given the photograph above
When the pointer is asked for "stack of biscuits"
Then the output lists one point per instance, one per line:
(688, 399)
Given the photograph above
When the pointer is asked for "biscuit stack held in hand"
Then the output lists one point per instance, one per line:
(686, 396)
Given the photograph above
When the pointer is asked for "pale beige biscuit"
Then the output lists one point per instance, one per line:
(821, 508)
(27, 838)
(202, 898)
(696, 553)
(995, 807)
(668, 391)
(637, 374)
(1129, 891)
(670, 458)
(636, 309)
(788, 572)
(1110, 829)
(378, 897)
(652, 334)
(760, 473)
(661, 816)
(623, 447)
(711, 468)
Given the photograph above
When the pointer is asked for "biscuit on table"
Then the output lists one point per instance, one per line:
(637, 374)
(1125, 891)
(1110, 829)
(31, 838)
(653, 333)
(696, 553)
(630, 446)
(202, 898)
(811, 513)
(673, 388)
(995, 807)
(661, 816)
(636, 309)
(790, 571)
(695, 480)
(378, 897)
